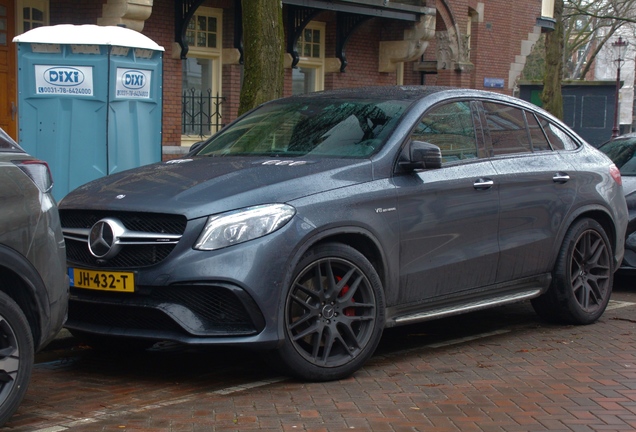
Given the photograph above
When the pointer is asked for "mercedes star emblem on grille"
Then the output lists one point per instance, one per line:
(103, 239)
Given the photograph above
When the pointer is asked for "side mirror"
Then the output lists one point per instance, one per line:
(422, 155)
(195, 147)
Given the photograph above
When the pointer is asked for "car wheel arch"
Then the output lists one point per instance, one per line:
(358, 238)
(20, 281)
(598, 213)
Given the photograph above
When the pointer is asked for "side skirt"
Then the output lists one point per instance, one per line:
(482, 298)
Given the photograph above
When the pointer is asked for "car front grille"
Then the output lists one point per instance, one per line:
(210, 311)
(130, 256)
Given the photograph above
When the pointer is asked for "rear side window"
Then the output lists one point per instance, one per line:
(557, 137)
(507, 126)
(451, 128)
(539, 140)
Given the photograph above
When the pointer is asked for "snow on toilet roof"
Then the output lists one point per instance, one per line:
(88, 34)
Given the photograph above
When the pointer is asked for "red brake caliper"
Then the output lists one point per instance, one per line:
(348, 311)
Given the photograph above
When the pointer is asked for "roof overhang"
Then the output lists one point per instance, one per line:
(373, 8)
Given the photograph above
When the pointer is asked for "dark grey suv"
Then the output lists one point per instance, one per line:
(33, 279)
(310, 224)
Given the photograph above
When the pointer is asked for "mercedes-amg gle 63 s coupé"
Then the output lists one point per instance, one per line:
(310, 224)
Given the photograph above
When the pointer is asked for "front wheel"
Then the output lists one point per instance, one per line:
(16, 356)
(333, 312)
(582, 278)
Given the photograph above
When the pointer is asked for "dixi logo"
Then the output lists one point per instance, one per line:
(64, 76)
(133, 79)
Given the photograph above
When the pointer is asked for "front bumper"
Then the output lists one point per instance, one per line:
(230, 296)
(184, 313)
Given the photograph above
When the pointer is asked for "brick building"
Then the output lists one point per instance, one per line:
(329, 43)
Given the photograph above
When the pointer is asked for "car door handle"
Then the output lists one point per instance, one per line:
(560, 177)
(483, 183)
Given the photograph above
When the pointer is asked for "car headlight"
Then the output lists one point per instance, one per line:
(239, 226)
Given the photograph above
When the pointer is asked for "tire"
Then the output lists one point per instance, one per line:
(333, 314)
(16, 356)
(582, 278)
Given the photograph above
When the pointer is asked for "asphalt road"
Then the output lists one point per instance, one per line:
(501, 369)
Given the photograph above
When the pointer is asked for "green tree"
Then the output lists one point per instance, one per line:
(263, 52)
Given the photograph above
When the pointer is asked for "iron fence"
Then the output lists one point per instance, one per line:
(200, 112)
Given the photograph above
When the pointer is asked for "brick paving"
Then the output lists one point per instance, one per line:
(499, 370)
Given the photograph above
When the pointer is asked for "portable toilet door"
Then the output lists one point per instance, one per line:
(134, 108)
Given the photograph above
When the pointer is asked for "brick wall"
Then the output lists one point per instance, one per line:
(231, 82)
(497, 40)
(75, 12)
(160, 28)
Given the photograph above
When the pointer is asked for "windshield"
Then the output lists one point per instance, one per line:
(316, 127)
(621, 152)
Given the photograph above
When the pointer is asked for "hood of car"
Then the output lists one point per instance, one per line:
(202, 186)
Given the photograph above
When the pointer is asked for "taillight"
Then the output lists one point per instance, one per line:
(616, 174)
(38, 171)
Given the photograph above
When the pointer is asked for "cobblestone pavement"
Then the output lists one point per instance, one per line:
(497, 370)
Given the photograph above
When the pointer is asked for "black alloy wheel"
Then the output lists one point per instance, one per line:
(16, 356)
(582, 278)
(334, 314)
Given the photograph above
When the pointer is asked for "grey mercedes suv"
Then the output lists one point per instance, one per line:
(310, 224)
(34, 285)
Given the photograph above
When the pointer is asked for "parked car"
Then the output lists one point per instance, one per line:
(622, 150)
(34, 285)
(310, 224)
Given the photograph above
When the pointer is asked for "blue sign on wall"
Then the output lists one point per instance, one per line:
(494, 82)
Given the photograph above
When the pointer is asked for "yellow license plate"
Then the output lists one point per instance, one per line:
(102, 280)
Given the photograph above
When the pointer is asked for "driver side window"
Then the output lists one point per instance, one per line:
(451, 128)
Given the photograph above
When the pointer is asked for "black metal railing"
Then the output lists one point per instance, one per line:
(200, 112)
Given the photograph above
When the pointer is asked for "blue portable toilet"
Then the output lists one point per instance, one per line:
(89, 100)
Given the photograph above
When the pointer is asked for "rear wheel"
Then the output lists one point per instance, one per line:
(16, 356)
(582, 278)
(334, 314)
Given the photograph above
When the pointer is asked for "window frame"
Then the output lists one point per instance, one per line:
(316, 63)
(43, 5)
(214, 54)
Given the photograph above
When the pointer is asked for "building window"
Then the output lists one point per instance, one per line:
(201, 98)
(4, 25)
(579, 24)
(35, 13)
(310, 43)
(203, 30)
(308, 76)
